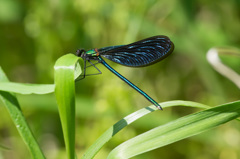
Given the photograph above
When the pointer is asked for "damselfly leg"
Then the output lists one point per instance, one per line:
(85, 67)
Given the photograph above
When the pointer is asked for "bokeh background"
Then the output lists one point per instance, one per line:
(34, 34)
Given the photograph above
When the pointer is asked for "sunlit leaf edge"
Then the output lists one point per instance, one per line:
(177, 130)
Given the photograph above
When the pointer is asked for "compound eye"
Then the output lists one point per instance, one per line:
(79, 52)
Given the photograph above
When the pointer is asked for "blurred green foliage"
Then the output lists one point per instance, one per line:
(35, 33)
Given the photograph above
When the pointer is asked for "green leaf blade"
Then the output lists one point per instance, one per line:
(107, 135)
(65, 95)
(21, 88)
(177, 130)
(11, 103)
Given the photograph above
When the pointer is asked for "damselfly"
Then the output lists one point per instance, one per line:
(138, 54)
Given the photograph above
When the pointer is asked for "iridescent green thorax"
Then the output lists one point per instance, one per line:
(91, 52)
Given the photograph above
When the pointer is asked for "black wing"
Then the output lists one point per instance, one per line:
(141, 53)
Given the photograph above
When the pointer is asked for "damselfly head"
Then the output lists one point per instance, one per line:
(80, 52)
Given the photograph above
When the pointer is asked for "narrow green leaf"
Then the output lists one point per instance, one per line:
(65, 94)
(177, 130)
(28, 88)
(104, 138)
(11, 103)
(25, 88)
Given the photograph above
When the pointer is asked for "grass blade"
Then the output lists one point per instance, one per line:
(65, 95)
(26, 88)
(177, 130)
(11, 103)
(105, 137)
